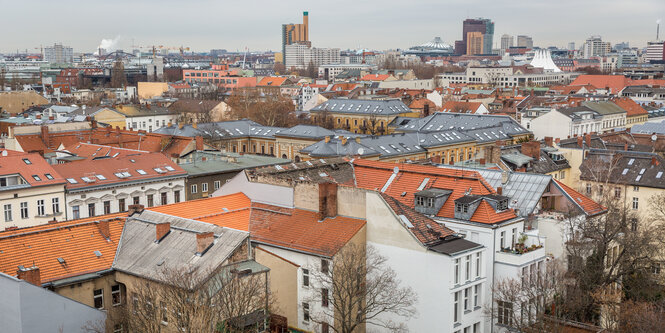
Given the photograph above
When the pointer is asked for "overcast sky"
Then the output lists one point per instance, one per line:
(373, 24)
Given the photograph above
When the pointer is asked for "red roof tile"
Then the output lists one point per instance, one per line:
(461, 107)
(632, 108)
(272, 81)
(589, 206)
(614, 82)
(375, 77)
(425, 229)
(231, 211)
(32, 167)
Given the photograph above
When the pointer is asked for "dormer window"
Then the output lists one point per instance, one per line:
(462, 208)
(502, 205)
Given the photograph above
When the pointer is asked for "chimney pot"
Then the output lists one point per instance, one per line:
(499, 190)
(327, 200)
(161, 230)
(580, 142)
(30, 275)
(204, 241)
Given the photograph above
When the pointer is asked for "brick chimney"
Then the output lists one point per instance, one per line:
(587, 139)
(548, 141)
(161, 230)
(531, 149)
(134, 209)
(580, 142)
(199, 143)
(30, 275)
(558, 141)
(499, 190)
(482, 161)
(327, 200)
(344, 140)
(358, 139)
(426, 110)
(45, 135)
(195, 125)
(654, 161)
(327, 138)
(204, 241)
(104, 229)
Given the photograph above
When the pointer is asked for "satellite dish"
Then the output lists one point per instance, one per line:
(361, 151)
(395, 170)
(654, 137)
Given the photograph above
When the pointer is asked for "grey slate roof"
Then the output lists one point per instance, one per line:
(138, 253)
(629, 168)
(482, 128)
(523, 189)
(649, 127)
(218, 162)
(604, 107)
(362, 106)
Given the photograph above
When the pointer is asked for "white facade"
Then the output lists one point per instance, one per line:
(654, 51)
(506, 76)
(59, 54)
(150, 123)
(330, 70)
(407, 84)
(542, 126)
(300, 56)
(115, 198)
(31, 206)
(594, 47)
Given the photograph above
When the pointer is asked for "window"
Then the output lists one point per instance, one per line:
(324, 297)
(617, 192)
(116, 297)
(117, 328)
(193, 189)
(27, 161)
(136, 200)
(456, 271)
(76, 212)
(91, 209)
(505, 312)
(151, 200)
(588, 189)
(562, 174)
(513, 237)
(325, 328)
(107, 207)
(121, 205)
(305, 277)
(478, 264)
(176, 196)
(305, 311)
(476, 295)
(24, 210)
(456, 308)
(165, 313)
(636, 203)
(633, 224)
(98, 298)
(467, 293)
(204, 187)
(468, 268)
(35, 177)
(55, 203)
(216, 185)
(8, 212)
(476, 328)
(163, 200)
(600, 189)
(636, 188)
(41, 209)
(324, 266)
(503, 240)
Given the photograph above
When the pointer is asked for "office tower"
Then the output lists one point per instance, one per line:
(300, 56)
(655, 51)
(483, 26)
(506, 43)
(59, 54)
(595, 47)
(296, 33)
(571, 46)
(474, 43)
(525, 41)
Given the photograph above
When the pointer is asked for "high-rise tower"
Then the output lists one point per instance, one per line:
(296, 33)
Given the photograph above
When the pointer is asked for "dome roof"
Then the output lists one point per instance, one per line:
(436, 43)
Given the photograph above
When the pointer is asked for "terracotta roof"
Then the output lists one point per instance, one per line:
(375, 77)
(461, 107)
(107, 170)
(375, 175)
(31, 166)
(419, 103)
(231, 211)
(632, 108)
(301, 230)
(614, 82)
(589, 206)
(73, 241)
(425, 229)
(272, 81)
(648, 82)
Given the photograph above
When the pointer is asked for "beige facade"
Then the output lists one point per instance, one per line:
(32, 199)
(17, 101)
(283, 283)
(147, 90)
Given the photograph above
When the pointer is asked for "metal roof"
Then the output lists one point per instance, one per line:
(362, 106)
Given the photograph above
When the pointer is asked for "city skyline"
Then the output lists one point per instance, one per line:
(373, 26)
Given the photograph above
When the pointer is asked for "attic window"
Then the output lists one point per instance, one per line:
(48, 176)
(88, 180)
(159, 170)
(463, 208)
(72, 181)
(116, 154)
(660, 174)
(100, 177)
(625, 171)
(27, 161)
(631, 161)
(502, 205)
(424, 202)
(141, 172)
(61, 260)
(36, 177)
(97, 253)
(132, 160)
(169, 168)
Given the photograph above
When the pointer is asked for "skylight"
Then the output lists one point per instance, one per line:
(141, 172)
(159, 170)
(36, 177)
(631, 161)
(87, 180)
(48, 176)
(100, 177)
(169, 168)
(27, 161)
(625, 171)
(72, 181)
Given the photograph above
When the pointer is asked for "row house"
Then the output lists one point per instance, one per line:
(360, 115)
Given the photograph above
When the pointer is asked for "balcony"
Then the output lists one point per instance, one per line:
(528, 248)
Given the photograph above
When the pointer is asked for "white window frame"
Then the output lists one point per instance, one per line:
(55, 205)
(24, 210)
(41, 207)
(204, 187)
(193, 189)
(95, 296)
(7, 209)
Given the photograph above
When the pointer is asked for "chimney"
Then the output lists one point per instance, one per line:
(25, 115)
(504, 177)
(327, 138)
(203, 242)
(548, 141)
(39, 116)
(181, 125)
(327, 200)
(104, 229)
(481, 161)
(195, 125)
(499, 190)
(358, 139)
(654, 161)
(161, 230)
(558, 141)
(587, 138)
(93, 124)
(134, 209)
(343, 140)
(580, 142)
(51, 118)
(45, 136)
(199, 143)
(30, 275)
(531, 149)
(426, 110)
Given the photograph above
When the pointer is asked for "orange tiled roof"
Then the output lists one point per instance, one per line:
(17, 163)
(301, 230)
(272, 81)
(425, 229)
(648, 82)
(419, 103)
(589, 206)
(212, 210)
(632, 108)
(374, 175)
(614, 82)
(374, 77)
(74, 241)
(461, 107)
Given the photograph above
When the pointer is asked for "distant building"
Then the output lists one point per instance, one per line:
(507, 42)
(296, 33)
(474, 43)
(525, 41)
(571, 46)
(59, 54)
(302, 55)
(483, 26)
(594, 47)
(655, 51)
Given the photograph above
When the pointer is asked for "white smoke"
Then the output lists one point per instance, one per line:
(108, 45)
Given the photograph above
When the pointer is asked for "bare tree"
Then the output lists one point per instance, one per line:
(360, 289)
(266, 109)
(118, 79)
(228, 301)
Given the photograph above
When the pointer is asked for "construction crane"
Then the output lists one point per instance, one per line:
(244, 57)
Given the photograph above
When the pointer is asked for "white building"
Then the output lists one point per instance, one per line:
(108, 180)
(59, 54)
(654, 51)
(148, 118)
(508, 76)
(595, 47)
(301, 56)
(330, 70)
(569, 122)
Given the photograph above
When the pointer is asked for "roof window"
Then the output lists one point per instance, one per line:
(27, 161)
(169, 168)
(141, 172)
(48, 176)
(72, 181)
(36, 177)
(100, 177)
